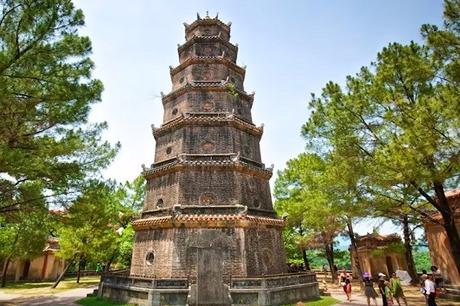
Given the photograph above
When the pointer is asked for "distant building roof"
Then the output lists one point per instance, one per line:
(376, 240)
(453, 198)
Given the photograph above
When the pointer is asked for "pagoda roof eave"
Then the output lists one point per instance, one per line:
(209, 86)
(206, 21)
(196, 38)
(231, 161)
(208, 118)
(206, 220)
(207, 59)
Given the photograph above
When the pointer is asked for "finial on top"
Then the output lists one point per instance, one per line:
(217, 16)
(207, 14)
(198, 16)
(186, 25)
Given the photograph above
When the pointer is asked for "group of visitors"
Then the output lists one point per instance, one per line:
(390, 289)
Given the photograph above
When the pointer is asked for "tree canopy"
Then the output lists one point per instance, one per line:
(399, 120)
(46, 93)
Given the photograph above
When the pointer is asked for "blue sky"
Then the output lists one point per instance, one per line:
(291, 49)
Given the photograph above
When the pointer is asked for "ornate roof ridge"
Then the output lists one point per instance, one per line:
(198, 59)
(214, 84)
(211, 117)
(232, 160)
(196, 38)
(206, 21)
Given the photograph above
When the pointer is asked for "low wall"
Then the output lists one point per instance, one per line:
(268, 290)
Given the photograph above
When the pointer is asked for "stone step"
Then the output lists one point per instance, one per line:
(451, 296)
(452, 290)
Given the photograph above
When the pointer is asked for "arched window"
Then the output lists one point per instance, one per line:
(149, 258)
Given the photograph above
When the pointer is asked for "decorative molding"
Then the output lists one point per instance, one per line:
(205, 38)
(208, 60)
(213, 86)
(206, 221)
(207, 118)
(230, 161)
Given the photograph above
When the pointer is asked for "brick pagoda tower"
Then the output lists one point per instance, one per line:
(208, 218)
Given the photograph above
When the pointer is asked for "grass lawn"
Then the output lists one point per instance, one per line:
(44, 288)
(94, 301)
(321, 301)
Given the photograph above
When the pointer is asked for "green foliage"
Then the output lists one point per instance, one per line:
(97, 226)
(231, 89)
(394, 247)
(46, 93)
(342, 259)
(422, 260)
(321, 301)
(95, 301)
(88, 230)
(23, 235)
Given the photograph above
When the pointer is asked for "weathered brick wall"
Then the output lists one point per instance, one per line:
(255, 192)
(208, 48)
(206, 101)
(207, 140)
(162, 191)
(169, 145)
(204, 186)
(267, 253)
(207, 72)
(176, 251)
(208, 187)
(246, 251)
(160, 242)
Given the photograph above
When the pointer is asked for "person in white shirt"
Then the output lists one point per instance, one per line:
(430, 291)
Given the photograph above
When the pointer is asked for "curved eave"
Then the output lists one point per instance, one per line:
(230, 161)
(202, 38)
(206, 21)
(205, 86)
(208, 60)
(205, 221)
(208, 119)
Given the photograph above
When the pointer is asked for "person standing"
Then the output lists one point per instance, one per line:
(437, 277)
(396, 289)
(383, 288)
(369, 290)
(430, 291)
(345, 282)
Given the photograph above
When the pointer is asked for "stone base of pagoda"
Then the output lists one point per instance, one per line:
(265, 290)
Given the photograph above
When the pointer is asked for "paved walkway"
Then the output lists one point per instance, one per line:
(66, 298)
(356, 298)
(414, 298)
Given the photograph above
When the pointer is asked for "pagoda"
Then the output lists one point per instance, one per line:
(208, 234)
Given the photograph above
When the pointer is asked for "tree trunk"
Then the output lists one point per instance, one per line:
(305, 260)
(408, 250)
(78, 271)
(109, 263)
(329, 249)
(449, 223)
(354, 248)
(5, 270)
(63, 272)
